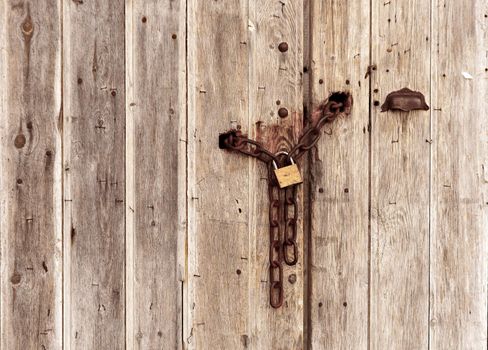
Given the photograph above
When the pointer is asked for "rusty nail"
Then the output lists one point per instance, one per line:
(282, 112)
(321, 81)
(283, 47)
(292, 278)
(371, 68)
(144, 19)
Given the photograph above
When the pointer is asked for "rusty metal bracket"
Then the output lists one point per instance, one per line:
(404, 100)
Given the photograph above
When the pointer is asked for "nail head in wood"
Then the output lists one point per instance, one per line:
(283, 47)
(282, 112)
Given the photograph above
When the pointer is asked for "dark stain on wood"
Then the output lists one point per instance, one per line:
(19, 141)
(27, 28)
(95, 62)
(281, 136)
(60, 118)
(15, 278)
(49, 156)
(73, 234)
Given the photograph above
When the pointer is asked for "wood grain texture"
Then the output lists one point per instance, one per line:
(340, 177)
(94, 139)
(123, 226)
(400, 178)
(218, 182)
(459, 241)
(156, 108)
(275, 83)
(30, 165)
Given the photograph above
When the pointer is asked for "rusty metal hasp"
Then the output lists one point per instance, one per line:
(283, 179)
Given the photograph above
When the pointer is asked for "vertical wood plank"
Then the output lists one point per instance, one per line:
(400, 178)
(157, 161)
(228, 238)
(218, 182)
(459, 242)
(94, 139)
(339, 248)
(30, 173)
(275, 83)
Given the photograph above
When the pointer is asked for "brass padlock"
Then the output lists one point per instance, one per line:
(288, 175)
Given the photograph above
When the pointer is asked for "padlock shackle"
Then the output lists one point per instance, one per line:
(282, 153)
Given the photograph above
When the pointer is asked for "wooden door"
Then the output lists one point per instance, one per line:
(124, 226)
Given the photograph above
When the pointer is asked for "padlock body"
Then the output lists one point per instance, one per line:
(288, 175)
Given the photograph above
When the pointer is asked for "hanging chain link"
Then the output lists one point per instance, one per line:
(290, 249)
(276, 293)
(283, 213)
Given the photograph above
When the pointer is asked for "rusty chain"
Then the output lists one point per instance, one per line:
(276, 293)
(290, 223)
(235, 140)
(312, 133)
(284, 247)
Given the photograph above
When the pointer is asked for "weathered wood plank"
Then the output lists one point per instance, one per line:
(275, 68)
(30, 172)
(218, 182)
(459, 241)
(270, 76)
(156, 164)
(400, 178)
(339, 247)
(94, 119)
